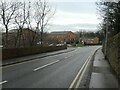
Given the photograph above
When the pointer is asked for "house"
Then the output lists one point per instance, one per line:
(90, 40)
(62, 37)
(24, 38)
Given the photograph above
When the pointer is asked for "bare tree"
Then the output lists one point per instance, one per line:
(20, 21)
(7, 11)
(42, 15)
(33, 39)
(21, 15)
(29, 15)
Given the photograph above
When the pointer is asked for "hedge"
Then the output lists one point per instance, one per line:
(17, 52)
(113, 53)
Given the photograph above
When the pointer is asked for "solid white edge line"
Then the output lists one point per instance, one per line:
(3, 82)
(46, 65)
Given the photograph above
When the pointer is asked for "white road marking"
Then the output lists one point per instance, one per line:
(78, 83)
(78, 74)
(46, 65)
(3, 82)
(66, 57)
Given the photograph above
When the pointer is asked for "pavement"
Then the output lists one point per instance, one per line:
(34, 56)
(102, 74)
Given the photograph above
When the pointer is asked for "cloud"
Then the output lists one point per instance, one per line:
(71, 0)
(65, 21)
(58, 0)
(73, 27)
(65, 18)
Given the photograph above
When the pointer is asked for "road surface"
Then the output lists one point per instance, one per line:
(58, 71)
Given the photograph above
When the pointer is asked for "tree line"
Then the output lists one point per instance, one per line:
(19, 15)
(91, 34)
(109, 13)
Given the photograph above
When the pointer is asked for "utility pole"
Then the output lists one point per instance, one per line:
(106, 36)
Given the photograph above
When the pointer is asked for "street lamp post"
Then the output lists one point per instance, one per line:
(106, 35)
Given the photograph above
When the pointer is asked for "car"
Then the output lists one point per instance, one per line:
(51, 44)
(59, 44)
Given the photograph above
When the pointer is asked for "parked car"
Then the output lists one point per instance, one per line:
(51, 44)
(59, 44)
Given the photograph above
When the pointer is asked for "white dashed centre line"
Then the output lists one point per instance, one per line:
(46, 65)
(3, 82)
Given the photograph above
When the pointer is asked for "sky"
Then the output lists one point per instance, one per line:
(75, 15)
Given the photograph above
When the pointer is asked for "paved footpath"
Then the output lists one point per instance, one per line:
(35, 56)
(102, 76)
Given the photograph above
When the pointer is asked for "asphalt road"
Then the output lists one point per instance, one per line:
(56, 71)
